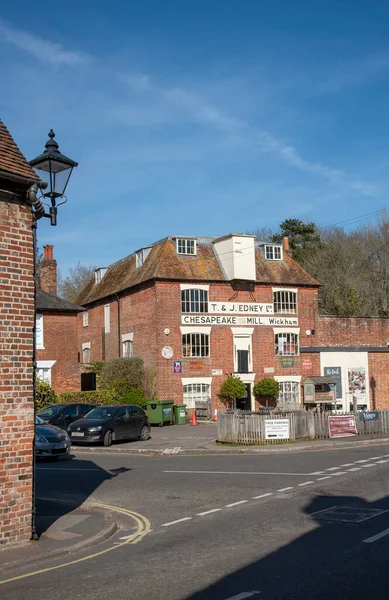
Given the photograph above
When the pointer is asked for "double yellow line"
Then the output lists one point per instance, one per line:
(142, 530)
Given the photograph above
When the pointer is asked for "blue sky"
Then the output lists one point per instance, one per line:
(200, 118)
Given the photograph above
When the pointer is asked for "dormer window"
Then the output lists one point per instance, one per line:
(99, 274)
(185, 246)
(140, 256)
(273, 252)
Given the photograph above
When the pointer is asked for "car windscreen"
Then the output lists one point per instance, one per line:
(49, 411)
(101, 412)
(39, 421)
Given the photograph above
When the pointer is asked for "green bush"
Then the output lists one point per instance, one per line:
(267, 387)
(122, 375)
(44, 394)
(232, 388)
(91, 397)
(134, 396)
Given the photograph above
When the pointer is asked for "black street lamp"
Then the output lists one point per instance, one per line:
(59, 169)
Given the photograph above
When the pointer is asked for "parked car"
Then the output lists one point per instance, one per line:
(62, 415)
(50, 441)
(107, 424)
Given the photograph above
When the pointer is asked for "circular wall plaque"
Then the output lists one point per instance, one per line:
(167, 352)
(167, 331)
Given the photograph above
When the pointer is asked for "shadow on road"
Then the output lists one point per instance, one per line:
(329, 562)
(64, 485)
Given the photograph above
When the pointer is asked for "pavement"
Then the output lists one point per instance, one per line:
(202, 439)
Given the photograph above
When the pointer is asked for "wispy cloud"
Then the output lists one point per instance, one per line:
(354, 72)
(207, 114)
(43, 50)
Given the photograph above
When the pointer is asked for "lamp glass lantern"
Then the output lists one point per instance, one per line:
(55, 167)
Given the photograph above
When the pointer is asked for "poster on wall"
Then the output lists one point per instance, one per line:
(357, 382)
(336, 374)
(342, 426)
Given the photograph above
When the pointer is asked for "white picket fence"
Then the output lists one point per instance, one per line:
(240, 427)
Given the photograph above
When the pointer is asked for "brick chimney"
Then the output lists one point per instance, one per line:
(286, 243)
(48, 272)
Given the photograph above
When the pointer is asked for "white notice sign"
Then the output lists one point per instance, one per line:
(277, 429)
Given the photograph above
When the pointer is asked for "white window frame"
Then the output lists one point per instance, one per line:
(245, 333)
(140, 256)
(202, 342)
(195, 381)
(39, 332)
(194, 299)
(85, 319)
(292, 338)
(107, 318)
(99, 274)
(85, 346)
(286, 301)
(271, 250)
(127, 338)
(292, 379)
(185, 244)
(45, 365)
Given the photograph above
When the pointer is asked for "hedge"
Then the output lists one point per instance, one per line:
(91, 397)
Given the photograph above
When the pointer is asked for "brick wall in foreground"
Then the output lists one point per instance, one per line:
(16, 370)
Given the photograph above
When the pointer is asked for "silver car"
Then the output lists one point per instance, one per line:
(50, 441)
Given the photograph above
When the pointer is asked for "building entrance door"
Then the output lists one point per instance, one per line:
(245, 402)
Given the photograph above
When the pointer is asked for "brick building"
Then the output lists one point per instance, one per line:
(16, 342)
(197, 309)
(57, 331)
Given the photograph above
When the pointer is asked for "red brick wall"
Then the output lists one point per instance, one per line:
(352, 331)
(379, 376)
(60, 333)
(16, 371)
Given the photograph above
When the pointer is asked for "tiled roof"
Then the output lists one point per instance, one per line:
(45, 301)
(164, 263)
(11, 159)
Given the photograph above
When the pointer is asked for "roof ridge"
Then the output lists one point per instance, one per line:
(12, 160)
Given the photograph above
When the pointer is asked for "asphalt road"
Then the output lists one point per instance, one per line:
(305, 525)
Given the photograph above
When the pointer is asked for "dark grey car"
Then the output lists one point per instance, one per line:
(50, 441)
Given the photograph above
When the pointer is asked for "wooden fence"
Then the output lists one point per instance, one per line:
(244, 427)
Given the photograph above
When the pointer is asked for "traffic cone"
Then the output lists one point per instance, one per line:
(215, 415)
(194, 420)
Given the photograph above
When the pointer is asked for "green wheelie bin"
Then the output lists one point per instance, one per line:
(160, 412)
(180, 414)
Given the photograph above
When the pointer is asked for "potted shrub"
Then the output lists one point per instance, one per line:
(267, 390)
(232, 388)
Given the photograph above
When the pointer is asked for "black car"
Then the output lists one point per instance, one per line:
(62, 415)
(110, 423)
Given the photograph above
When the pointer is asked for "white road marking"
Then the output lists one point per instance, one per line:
(374, 538)
(381, 462)
(354, 469)
(285, 489)
(208, 512)
(63, 469)
(338, 473)
(244, 595)
(333, 469)
(262, 496)
(363, 460)
(326, 477)
(305, 483)
(347, 465)
(367, 466)
(239, 473)
(236, 503)
(317, 473)
(174, 522)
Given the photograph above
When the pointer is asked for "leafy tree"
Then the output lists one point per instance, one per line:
(267, 389)
(302, 237)
(71, 287)
(134, 396)
(122, 375)
(44, 394)
(232, 388)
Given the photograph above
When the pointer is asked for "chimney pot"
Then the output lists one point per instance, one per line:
(48, 251)
(286, 243)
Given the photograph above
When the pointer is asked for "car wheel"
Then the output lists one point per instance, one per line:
(145, 433)
(108, 438)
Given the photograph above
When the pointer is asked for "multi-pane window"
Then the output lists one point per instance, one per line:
(107, 318)
(85, 318)
(286, 344)
(39, 331)
(86, 356)
(273, 252)
(195, 344)
(127, 348)
(285, 301)
(289, 392)
(194, 301)
(185, 246)
(196, 392)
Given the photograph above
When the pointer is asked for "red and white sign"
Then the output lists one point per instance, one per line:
(342, 426)
(307, 363)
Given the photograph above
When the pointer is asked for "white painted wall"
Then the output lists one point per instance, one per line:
(236, 254)
(346, 361)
